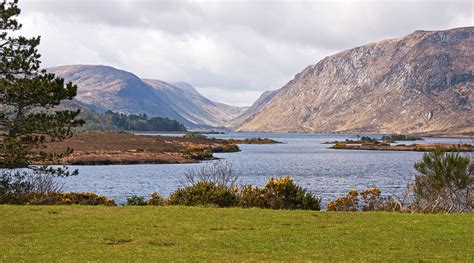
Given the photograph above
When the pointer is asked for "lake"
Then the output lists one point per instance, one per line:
(326, 172)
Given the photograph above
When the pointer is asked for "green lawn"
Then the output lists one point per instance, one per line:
(86, 233)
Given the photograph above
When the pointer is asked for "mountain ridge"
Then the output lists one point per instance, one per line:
(103, 88)
(422, 82)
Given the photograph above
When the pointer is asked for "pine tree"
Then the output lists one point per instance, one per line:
(29, 97)
(445, 182)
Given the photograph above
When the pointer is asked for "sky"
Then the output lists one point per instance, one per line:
(231, 51)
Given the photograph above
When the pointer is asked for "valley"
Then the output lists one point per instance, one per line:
(239, 131)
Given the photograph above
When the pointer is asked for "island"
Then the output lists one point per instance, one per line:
(98, 148)
(386, 144)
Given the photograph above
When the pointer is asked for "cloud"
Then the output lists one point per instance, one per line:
(230, 50)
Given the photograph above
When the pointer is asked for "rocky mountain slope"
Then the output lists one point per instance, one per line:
(422, 82)
(104, 88)
(189, 103)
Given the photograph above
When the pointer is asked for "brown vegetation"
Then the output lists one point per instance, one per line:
(124, 148)
(253, 141)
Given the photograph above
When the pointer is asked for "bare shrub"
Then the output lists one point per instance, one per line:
(45, 183)
(218, 173)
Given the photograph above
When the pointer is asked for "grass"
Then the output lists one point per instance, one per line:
(86, 233)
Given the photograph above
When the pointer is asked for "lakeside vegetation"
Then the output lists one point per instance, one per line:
(444, 184)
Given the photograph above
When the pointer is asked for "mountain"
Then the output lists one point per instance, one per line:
(189, 103)
(102, 88)
(422, 82)
(263, 100)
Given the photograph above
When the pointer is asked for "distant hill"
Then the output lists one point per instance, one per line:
(189, 103)
(103, 88)
(422, 82)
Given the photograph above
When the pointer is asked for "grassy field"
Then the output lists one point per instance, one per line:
(86, 233)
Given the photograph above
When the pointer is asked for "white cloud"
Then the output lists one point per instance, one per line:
(230, 50)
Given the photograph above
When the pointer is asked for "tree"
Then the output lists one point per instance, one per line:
(29, 97)
(445, 182)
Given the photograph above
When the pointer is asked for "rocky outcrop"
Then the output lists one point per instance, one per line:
(420, 83)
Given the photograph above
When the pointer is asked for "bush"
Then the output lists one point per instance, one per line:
(400, 137)
(156, 199)
(85, 199)
(41, 187)
(203, 193)
(194, 135)
(339, 146)
(279, 193)
(350, 202)
(445, 183)
(16, 185)
(370, 200)
(211, 184)
(198, 153)
(60, 199)
(226, 148)
(136, 200)
(13, 183)
(252, 197)
(373, 201)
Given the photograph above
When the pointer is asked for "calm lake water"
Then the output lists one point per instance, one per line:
(326, 172)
